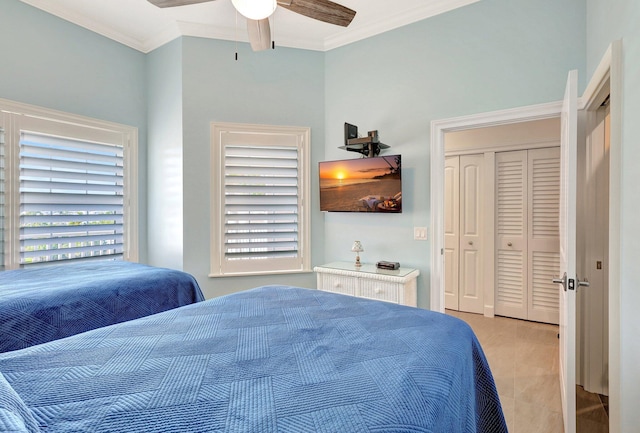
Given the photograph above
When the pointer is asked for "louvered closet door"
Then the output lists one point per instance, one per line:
(543, 242)
(471, 289)
(451, 230)
(511, 234)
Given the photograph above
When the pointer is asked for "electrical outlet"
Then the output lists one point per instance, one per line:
(420, 233)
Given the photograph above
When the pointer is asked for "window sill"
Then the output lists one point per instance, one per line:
(251, 274)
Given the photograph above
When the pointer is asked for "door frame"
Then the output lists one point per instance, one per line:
(610, 71)
(438, 130)
(610, 68)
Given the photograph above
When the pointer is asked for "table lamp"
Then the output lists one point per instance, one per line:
(357, 248)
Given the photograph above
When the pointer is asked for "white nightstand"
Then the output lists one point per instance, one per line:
(367, 281)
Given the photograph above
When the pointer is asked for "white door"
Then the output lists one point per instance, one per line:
(471, 293)
(511, 234)
(543, 249)
(567, 271)
(451, 230)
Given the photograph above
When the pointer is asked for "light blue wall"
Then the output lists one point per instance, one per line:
(50, 63)
(281, 87)
(609, 20)
(165, 192)
(491, 55)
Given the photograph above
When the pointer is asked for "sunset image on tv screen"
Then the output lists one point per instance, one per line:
(361, 185)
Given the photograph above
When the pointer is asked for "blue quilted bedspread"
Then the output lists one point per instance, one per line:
(271, 359)
(43, 304)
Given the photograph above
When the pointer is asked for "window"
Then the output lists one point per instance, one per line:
(260, 188)
(70, 187)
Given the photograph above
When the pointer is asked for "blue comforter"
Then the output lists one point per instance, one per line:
(271, 359)
(47, 303)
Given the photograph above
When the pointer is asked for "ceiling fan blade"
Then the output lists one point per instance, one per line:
(323, 10)
(259, 34)
(173, 3)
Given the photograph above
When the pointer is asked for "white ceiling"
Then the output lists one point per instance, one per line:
(144, 27)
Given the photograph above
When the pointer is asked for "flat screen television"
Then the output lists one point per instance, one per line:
(361, 185)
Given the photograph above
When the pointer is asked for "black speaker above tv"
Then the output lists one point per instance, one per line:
(368, 146)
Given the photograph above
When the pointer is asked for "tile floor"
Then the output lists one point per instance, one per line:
(523, 357)
(592, 412)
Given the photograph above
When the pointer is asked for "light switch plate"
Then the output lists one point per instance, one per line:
(420, 233)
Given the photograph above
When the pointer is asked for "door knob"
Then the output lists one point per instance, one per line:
(562, 281)
(584, 283)
(470, 242)
(510, 244)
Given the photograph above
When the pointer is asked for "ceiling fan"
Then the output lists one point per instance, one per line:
(257, 13)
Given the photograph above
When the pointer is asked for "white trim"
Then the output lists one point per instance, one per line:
(69, 14)
(131, 208)
(438, 129)
(598, 80)
(610, 68)
(615, 237)
(351, 34)
(15, 113)
(371, 28)
(15, 107)
(232, 34)
(537, 144)
(217, 182)
(489, 242)
(160, 38)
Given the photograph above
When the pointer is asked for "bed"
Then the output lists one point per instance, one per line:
(47, 303)
(270, 359)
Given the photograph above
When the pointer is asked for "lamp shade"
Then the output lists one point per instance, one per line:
(357, 247)
(255, 9)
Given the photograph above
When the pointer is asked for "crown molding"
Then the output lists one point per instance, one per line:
(161, 38)
(89, 24)
(349, 35)
(372, 28)
(240, 35)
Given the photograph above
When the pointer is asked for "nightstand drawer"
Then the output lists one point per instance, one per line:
(366, 281)
(381, 290)
(338, 284)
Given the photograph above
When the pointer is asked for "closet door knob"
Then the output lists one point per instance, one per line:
(470, 242)
(510, 244)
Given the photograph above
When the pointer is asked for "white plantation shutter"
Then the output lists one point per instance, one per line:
(260, 182)
(71, 199)
(261, 202)
(68, 187)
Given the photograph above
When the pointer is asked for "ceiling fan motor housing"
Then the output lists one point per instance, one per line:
(255, 9)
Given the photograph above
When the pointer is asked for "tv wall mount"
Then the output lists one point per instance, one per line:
(369, 146)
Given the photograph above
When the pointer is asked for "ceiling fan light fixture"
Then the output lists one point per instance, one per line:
(255, 9)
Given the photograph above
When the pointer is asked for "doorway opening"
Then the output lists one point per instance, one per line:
(593, 303)
(502, 186)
